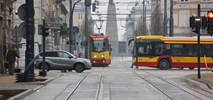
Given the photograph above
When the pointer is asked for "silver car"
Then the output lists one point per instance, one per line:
(62, 60)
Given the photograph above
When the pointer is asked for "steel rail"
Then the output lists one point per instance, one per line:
(170, 83)
(71, 93)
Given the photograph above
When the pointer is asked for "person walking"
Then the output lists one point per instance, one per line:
(11, 58)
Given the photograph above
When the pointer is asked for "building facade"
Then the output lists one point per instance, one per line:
(6, 27)
(182, 10)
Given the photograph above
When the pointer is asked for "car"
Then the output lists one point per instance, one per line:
(62, 60)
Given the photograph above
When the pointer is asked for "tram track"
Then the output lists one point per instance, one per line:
(151, 79)
(99, 89)
(74, 89)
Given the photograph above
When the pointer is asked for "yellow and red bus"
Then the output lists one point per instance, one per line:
(172, 52)
(100, 50)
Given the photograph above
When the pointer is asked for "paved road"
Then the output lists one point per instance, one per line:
(119, 82)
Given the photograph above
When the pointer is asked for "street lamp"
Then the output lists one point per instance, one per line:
(71, 23)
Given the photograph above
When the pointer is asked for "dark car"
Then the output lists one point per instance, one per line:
(62, 60)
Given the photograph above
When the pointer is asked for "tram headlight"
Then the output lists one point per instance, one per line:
(102, 56)
(95, 56)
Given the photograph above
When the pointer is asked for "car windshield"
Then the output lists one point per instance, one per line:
(73, 56)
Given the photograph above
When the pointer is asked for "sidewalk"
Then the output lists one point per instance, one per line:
(8, 83)
(206, 80)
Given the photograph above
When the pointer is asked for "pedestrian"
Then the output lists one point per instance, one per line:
(11, 58)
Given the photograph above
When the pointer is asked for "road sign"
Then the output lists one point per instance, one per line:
(22, 12)
(15, 36)
(22, 30)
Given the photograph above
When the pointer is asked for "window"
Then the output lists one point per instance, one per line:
(144, 49)
(184, 50)
(51, 54)
(80, 16)
(184, 0)
(99, 46)
(63, 55)
(206, 0)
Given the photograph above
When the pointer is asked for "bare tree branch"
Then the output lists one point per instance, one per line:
(156, 21)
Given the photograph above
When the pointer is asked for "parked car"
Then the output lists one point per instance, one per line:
(62, 60)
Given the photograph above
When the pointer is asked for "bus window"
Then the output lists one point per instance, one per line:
(144, 49)
(159, 49)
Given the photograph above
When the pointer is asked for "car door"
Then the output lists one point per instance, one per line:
(65, 59)
(52, 59)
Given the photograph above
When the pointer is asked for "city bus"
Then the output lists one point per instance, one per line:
(172, 52)
(100, 50)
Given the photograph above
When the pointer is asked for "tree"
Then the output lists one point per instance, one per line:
(156, 21)
(139, 28)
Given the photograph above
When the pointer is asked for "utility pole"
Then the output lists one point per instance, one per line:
(71, 29)
(198, 42)
(171, 22)
(86, 32)
(165, 19)
(29, 39)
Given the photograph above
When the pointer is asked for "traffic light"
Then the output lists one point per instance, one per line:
(93, 7)
(210, 22)
(204, 22)
(87, 3)
(192, 22)
(45, 30)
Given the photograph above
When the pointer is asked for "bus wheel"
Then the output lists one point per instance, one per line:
(191, 68)
(181, 68)
(164, 64)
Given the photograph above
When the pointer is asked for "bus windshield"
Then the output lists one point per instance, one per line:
(99, 46)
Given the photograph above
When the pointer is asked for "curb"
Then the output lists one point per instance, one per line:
(196, 83)
(20, 96)
(199, 84)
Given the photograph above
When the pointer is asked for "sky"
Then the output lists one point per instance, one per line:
(122, 7)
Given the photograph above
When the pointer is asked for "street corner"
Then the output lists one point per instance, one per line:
(205, 82)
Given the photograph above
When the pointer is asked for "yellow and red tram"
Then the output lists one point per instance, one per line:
(100, 50)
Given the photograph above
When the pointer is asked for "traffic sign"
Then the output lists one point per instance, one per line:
(22, 12)
(15, 36)
(22, 30)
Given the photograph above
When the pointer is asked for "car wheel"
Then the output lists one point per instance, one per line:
(164, 64)
(79, 68)
(47, 66)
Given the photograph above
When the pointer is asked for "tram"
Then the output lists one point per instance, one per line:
(100, 52)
